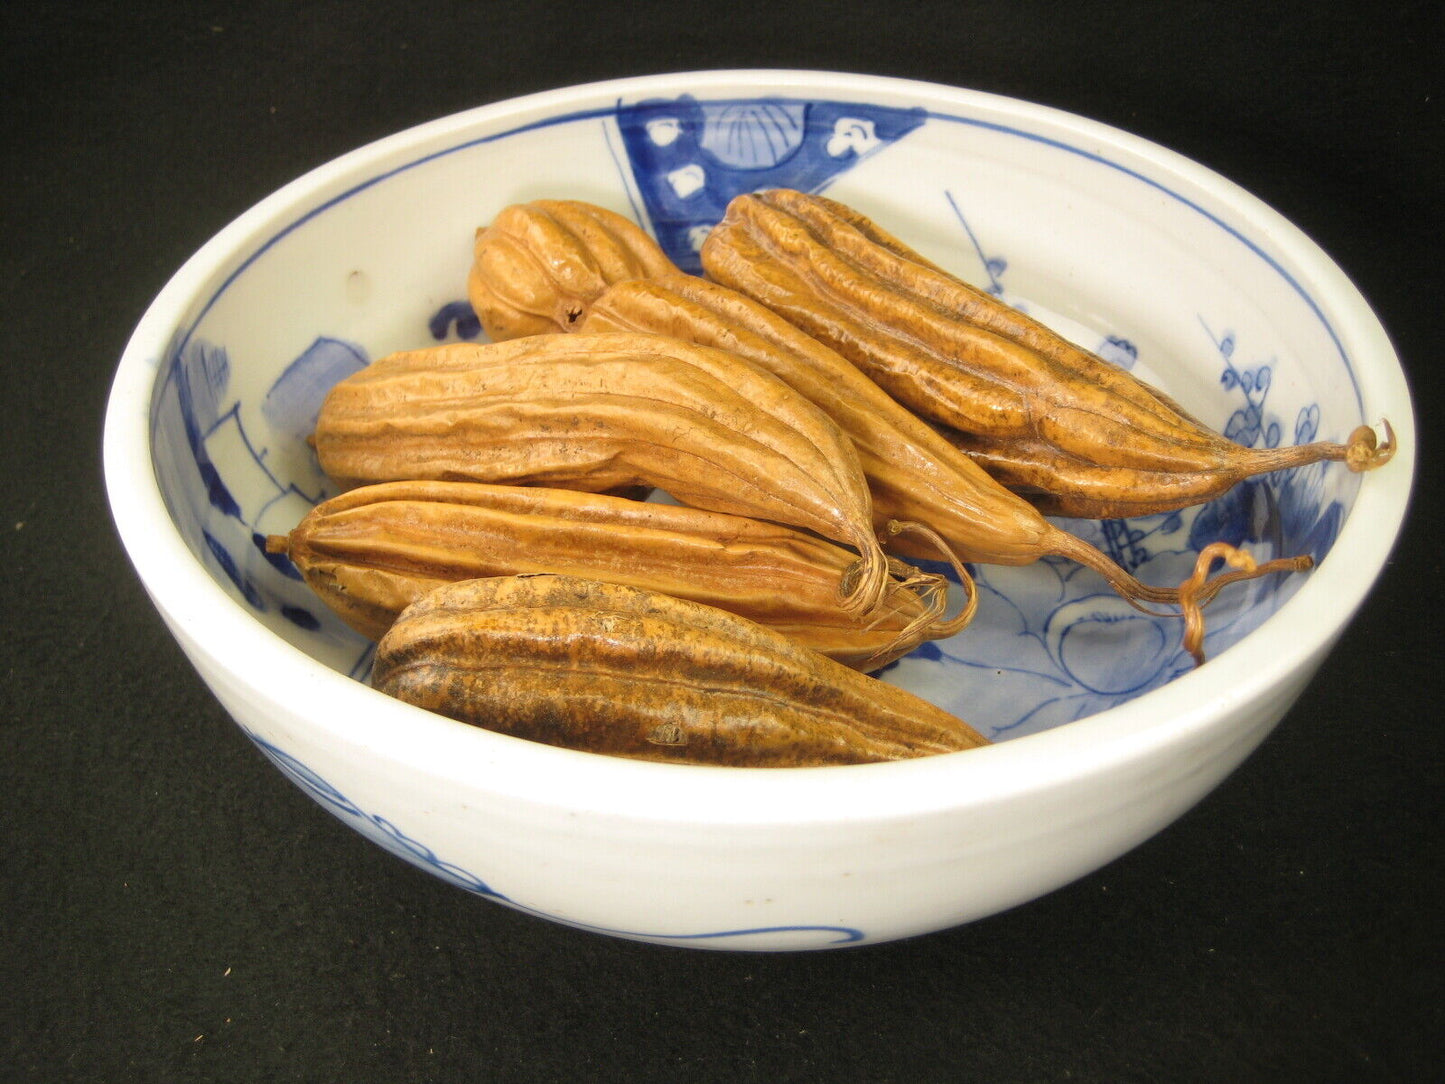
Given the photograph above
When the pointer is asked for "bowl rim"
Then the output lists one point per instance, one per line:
(305, 695)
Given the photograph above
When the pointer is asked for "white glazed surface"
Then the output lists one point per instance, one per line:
(1105, 733)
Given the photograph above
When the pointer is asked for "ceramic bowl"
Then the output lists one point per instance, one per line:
(1104, 731)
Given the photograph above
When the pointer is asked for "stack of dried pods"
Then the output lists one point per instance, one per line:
(822, 405)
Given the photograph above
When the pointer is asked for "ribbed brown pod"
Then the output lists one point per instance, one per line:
(537, 265)
(372, 551)
(598, 412)
(612, 669)
(914, 473)
(1079, 436)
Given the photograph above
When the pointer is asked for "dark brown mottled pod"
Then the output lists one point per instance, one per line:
(606, 668)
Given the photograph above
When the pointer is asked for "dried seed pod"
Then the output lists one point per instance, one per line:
(1021, 398)
(372, 551)
(537, 265)
(1062, 484)
(613, 669)
(595, 412)
(914, 473)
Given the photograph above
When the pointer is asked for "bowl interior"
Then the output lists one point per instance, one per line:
(1110, 240)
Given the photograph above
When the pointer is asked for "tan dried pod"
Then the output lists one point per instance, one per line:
(1078, 435)
(372, 551)
(614, 669)
(596, 412)
(914, 473)
(537, 265)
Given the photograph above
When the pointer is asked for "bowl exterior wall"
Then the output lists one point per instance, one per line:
(758, 887)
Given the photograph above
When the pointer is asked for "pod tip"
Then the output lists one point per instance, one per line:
(1366, 452)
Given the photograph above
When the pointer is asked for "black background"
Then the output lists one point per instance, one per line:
(174, 910)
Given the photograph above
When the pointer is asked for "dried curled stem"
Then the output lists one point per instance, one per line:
(935, 588)
(1192, 591)
(1363, 451)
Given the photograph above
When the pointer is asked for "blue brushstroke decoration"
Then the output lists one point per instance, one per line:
(455, 317)
(383, 832)
(690, 158)
(293, 402)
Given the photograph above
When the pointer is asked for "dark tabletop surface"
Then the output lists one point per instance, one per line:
(175, 910)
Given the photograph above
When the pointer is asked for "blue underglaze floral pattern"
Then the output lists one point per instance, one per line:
(1052, 643)
(388, 836)
(375, 828)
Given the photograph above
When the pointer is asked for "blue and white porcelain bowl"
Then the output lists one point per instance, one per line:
(1105, 733)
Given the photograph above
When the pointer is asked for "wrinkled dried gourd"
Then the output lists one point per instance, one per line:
(1076, 434)
(596, 412)
(608, 668)
(372, 551)
(913, 472)
(537, 265)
